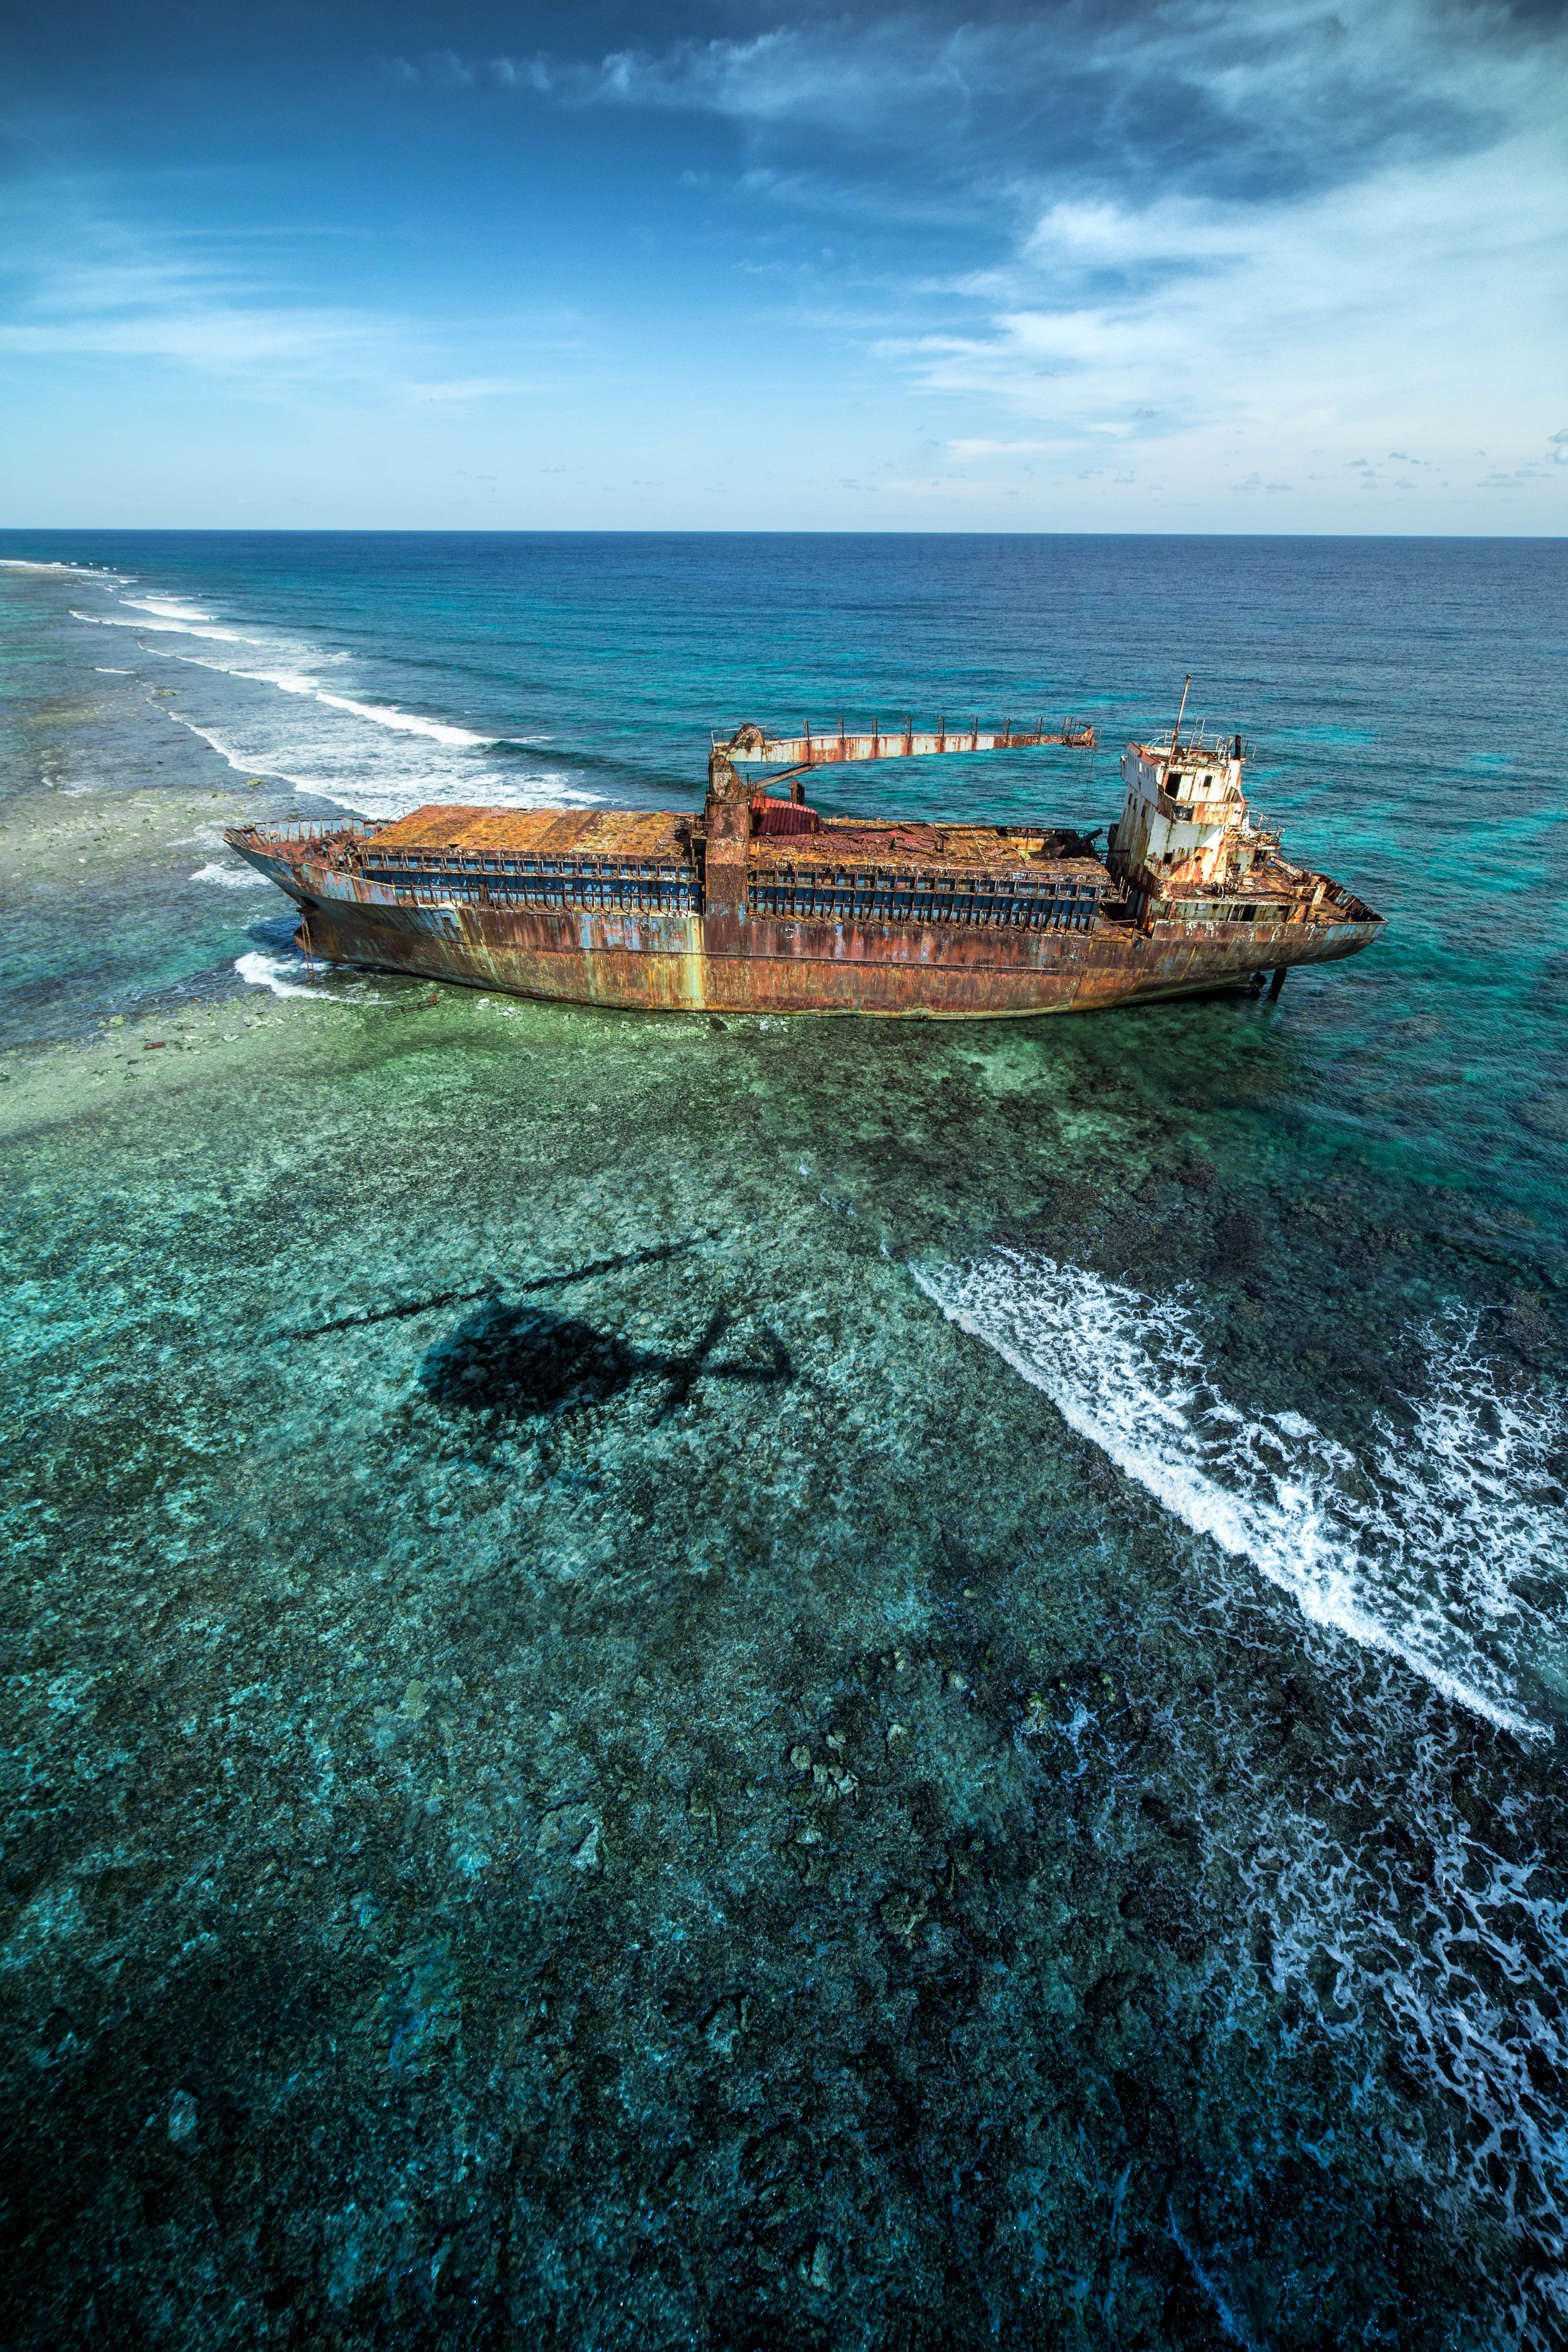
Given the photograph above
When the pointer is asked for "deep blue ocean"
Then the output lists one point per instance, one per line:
(794, 1682)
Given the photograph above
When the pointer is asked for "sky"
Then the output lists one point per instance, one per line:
(1213, 266)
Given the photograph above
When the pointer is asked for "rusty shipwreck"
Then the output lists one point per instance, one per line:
(762, 905)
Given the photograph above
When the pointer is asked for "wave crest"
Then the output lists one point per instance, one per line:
(1434, 1545)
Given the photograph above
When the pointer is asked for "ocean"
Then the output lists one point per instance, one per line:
(781, 1681)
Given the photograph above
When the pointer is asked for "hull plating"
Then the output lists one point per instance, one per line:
(721, 962)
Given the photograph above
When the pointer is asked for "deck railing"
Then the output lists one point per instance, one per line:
(300, 828)
(1200, 748)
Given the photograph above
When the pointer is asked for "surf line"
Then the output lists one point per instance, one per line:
(1182, 1486)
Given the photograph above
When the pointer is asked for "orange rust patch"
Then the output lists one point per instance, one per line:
(651, 834)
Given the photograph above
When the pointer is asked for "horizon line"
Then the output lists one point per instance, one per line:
(683, 531)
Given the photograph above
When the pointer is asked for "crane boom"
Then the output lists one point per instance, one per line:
(828, 746)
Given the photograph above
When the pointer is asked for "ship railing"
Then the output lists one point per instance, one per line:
(316, 829)
(1200, 743)
(829, 746)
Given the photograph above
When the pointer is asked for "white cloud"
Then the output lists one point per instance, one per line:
(205, 335)
(97, 287)
(975, 260)
(837, 71)
(1106, 234)
(1426, 300)
(93, 285)
(462, 389)
(1236, 218)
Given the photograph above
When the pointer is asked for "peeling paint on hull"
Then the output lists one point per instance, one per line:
(725, 962)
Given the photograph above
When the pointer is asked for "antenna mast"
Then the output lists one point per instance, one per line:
(1176, 736)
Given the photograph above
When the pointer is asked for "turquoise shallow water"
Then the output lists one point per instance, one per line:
(798, 1683)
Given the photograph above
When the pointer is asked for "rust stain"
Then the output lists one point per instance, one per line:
(764, 905)
(827, 747)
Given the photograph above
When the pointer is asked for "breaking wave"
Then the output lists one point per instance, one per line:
(153, 617)
(231, 877)
(270, 704)
(1443, 1548)
(403, 722)
(1436, 1545)
(1445, 1950)
(274, 972)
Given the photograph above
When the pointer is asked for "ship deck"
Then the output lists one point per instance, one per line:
(663, 836)
(640, 834)
(969, 849)
(1276, 886)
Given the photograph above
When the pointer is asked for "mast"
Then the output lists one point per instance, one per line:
(1176, 734)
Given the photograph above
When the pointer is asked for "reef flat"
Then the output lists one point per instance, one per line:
(592, 1767)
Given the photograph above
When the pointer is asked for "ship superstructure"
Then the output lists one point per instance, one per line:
(1187, 847)
(764, 904)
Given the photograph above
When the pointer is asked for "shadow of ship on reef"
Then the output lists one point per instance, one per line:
(526, 1363)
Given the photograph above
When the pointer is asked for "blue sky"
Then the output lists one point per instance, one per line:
(1196, 267)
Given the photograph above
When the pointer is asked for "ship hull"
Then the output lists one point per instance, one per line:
(725, 962)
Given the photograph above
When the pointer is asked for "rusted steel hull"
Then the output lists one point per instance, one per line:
(729, 962)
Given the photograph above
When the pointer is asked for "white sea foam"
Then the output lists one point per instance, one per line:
(270, 712)
(404, 722)
(372, 777)
(241, 766)
(294, 681)
(1436, 1945)
(273, 973)
(396, 797)
(155, 622)
(1422, 1549)
(169, 608)
(232, 877)
(1449, 1961)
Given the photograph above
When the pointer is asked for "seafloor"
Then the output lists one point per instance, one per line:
(589, 1770)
